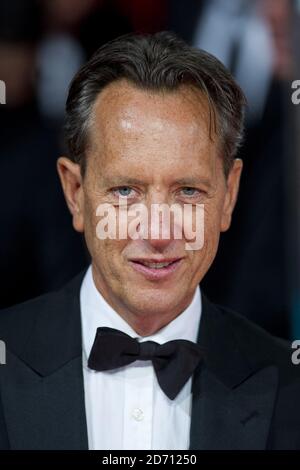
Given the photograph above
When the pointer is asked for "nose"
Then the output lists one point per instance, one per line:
(160, 229)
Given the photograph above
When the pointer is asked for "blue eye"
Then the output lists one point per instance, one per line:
(189, 191)
(124, 191)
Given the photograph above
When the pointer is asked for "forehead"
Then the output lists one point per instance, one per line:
(152, 127)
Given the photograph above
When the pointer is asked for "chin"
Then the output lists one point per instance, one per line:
(154, 301)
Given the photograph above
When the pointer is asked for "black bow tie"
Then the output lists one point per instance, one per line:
(174, 362)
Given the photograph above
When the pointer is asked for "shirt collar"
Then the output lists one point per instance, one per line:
(96, 312)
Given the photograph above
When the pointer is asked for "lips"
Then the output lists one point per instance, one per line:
(155, 265)
(156, 269)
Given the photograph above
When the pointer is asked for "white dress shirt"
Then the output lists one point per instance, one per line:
(126, 408)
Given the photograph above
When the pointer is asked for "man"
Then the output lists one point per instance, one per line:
(130, 354)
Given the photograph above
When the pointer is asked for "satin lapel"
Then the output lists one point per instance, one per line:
(44, 412)
(232, 419)
(233, 400)
(42, 389)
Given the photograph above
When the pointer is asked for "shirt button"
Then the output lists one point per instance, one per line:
(137, 414)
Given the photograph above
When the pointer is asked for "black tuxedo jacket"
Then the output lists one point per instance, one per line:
(246, 392)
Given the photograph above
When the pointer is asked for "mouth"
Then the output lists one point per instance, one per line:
(156, 269)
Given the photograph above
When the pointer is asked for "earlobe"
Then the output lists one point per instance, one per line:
(71, 181)
(233, 182)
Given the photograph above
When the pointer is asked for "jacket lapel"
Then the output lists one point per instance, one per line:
(42, 387)
(44, 412)
(233, 398)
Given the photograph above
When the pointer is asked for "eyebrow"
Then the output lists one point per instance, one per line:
(193, 180)
(122, 180)
(127, 180)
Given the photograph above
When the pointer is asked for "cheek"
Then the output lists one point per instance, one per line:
(108, 254)
(201, 258)
(213, 216)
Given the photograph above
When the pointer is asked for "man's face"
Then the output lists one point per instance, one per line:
(151, 148)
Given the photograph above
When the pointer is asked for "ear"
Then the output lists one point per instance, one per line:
(232, 189)
(71, 181)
